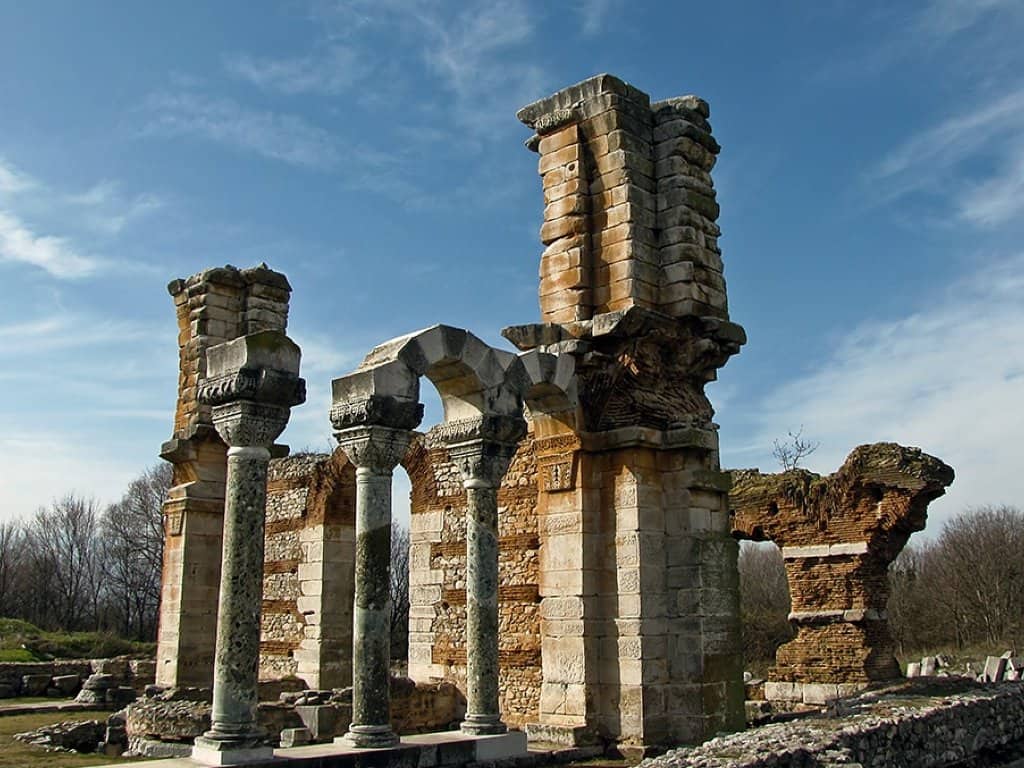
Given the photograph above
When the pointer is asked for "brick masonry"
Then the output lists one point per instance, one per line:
(838, 535)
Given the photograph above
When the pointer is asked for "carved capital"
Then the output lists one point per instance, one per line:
(262, 385)
(374, 447)
(247, 423)
(379, 410)
(482, 448)
(490, 427)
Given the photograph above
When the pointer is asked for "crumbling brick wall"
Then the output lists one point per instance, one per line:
(308, 570)
(838, 535)
(437, 615)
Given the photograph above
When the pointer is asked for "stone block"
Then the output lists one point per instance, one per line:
(35, 685)
(295, 737)
(781, 691)
(995, 669)
(322, 721)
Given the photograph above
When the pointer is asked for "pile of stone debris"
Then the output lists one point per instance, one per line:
(108, 737)
(996, 669)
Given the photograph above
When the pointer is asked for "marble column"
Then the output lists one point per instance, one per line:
(483, 461)
(251, 405)
(375, 451)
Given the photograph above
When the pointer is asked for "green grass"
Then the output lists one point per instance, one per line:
(15, 754)
(21, 641)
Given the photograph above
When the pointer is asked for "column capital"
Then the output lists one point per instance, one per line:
(482, 447)
(252, 384)
(374, 447)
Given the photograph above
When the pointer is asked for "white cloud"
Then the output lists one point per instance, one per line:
(278, 136)
(948, 378)
(13, 180)
(474, 53)
(56, 255)
(329, 71)
(943, 161)
(593, 14)
(998, 199)
(945, 18)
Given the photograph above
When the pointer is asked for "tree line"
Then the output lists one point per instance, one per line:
(75, 566)
(962, 590)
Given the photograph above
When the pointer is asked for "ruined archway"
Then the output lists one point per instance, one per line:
(838, 535)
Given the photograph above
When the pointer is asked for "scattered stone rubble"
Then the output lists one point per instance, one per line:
(929, 723)
(996, 669)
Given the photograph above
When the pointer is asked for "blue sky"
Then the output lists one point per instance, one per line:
(871, 184)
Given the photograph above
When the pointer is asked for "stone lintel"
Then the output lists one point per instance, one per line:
(623, 323)
(543, 115)
(648, 437)
(825, 550)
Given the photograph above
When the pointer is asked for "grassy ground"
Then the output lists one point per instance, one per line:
(15, 754)
(21, 641)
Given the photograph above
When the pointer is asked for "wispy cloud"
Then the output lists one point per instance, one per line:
(474, 54)
(946, 161)
(29, 207)
(943, 19)
(283, 137)
(13, 180)
(593, 14)
(56, 255)
(331, 70)
(947, 378)
(105, 208)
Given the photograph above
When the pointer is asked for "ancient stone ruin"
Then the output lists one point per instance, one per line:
(838, 535)
(573, 565)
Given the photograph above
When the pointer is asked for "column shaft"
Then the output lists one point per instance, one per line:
(241, 588)
(482, 711)
(371, 631)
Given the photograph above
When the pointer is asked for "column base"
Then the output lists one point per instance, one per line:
(483, 725)
(369, 737)
(209, 751)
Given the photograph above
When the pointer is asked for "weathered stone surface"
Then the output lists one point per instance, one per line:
(838, 536)
(81, 736)
(252, 383)
(960, 725)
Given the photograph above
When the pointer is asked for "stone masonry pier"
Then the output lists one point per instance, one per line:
(838, 535)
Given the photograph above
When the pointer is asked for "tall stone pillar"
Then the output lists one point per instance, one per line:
(375, 451)
(251, 385)
(483, 449)
(212, 307)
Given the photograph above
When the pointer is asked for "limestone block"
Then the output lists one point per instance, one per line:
(555, 141)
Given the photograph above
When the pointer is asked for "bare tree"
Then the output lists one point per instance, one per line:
(764, 602)
(399, 591)
(64, 562)
(12, 551)
(133, 543)
(790, 452)
(965, 588)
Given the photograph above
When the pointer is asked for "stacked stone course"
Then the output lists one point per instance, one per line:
(630, 208)
(308, 570)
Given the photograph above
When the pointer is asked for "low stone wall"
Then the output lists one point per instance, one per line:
(936, 724)
(64, 678)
